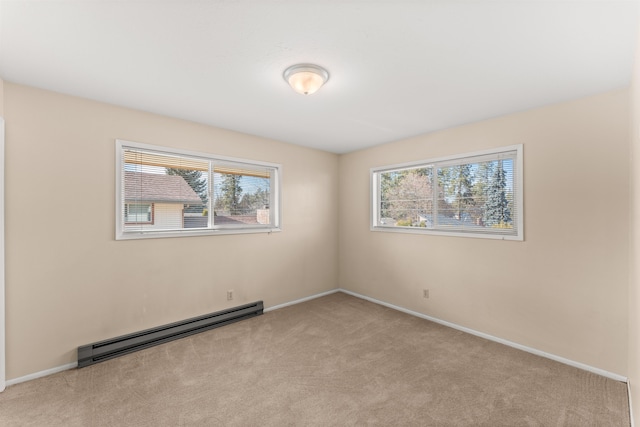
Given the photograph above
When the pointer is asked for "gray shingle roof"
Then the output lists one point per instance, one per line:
(151, 187)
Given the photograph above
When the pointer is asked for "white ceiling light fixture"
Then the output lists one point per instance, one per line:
(306, 78)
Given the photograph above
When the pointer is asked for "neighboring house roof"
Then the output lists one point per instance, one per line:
(152, 187)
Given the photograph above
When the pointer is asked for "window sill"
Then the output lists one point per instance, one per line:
(134, 235)
(420, 230)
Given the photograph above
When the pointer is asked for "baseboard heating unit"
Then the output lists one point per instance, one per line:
(103, 350)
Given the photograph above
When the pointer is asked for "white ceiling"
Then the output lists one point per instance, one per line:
(398, 68)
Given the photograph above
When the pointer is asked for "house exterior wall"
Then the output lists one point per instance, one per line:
(263, 216)
(70, 283)
(165, 216)
(563, 290)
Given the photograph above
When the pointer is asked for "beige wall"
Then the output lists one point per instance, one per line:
(1, 98)
(634, 247)
(564, 289)
(2, 270)
(70, 283)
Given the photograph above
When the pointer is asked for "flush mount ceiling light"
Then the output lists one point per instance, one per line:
(306, 78)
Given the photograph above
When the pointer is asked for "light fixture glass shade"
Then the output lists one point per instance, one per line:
(306, 78)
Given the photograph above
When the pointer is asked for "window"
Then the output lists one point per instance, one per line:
(138, 213)
(476, 195)
(163, 192)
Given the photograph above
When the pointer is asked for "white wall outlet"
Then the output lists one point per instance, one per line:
(229, 294)
(425, 293)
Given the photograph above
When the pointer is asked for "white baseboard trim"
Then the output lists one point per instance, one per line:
(73, 365)
(41, 374)
(298, 301)
(573, 363)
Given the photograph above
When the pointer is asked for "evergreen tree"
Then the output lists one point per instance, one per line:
(457, 182)
(231, 193)
(195, 180)
(481, 189)
(497, 212)
(251, 202)
(261, 199)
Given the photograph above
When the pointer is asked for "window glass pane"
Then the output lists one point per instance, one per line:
(475, 196)
(406, 197)
(177, 187)
(241, 197)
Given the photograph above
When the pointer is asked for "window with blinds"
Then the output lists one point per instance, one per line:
(162, 192)
(476, 195)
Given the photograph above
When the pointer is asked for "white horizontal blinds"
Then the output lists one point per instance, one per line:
(163, 160)
(163, 192)
(477, 195)
(406, 196)
(242, 195)
(240, 169)
(468, 194)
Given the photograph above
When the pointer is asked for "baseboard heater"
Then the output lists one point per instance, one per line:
(103, 350)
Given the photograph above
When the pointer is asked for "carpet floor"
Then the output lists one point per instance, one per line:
(333, 361)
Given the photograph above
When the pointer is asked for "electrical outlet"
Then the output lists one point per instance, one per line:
(425, 293)
(229, 294)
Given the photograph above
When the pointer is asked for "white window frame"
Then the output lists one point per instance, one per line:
(125, 234)
(443, 162)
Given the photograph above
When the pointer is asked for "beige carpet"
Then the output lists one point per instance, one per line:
(333, 361)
